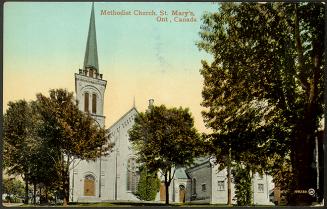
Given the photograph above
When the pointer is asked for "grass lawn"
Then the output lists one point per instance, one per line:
(131, 204)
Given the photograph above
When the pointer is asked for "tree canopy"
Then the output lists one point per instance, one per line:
(74, 133)
(19, 137)
(42, 138)
(21, 143)
(165, 138)
(263, 91)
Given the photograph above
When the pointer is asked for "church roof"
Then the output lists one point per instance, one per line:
(91, 53)
(122, 117)
(200, 160)
(180, 173)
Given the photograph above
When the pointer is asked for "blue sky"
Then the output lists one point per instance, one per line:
(44, 45)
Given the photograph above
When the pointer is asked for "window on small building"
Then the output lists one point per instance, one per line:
(260, 177)
(260, 187)
(221, 185)
(132, 175)
(204, 188)
(94, 103)
(86, 102)
(194, 186)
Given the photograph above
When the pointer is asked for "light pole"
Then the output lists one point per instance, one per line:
(116, 164)
(116, 173)
(73, 181)
(100, 176)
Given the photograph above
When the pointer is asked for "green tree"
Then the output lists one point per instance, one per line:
(73, 133)
(25, 153)
(12, 187)
(19, 137)
(264, 88)
(165, 138)
(243, 185)
(148, 185)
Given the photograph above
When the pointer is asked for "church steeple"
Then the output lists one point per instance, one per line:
(91, 53)
(89, 85)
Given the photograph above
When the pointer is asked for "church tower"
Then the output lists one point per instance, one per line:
(89, 85)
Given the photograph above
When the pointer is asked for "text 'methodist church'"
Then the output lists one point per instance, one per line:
(115, 177)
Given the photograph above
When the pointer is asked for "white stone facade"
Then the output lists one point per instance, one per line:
(117, 161)
(112, 168)
(93, 86)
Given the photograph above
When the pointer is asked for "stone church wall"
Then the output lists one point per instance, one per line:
(201, 179)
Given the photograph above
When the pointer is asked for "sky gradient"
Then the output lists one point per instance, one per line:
(44, 45)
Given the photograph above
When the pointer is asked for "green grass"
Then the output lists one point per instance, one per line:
(100, 204)
(131, 204)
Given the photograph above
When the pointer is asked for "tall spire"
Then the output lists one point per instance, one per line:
(91, 53)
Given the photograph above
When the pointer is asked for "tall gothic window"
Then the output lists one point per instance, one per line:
(86, 102)
(132, 175)
(94, 103)
(194, 186)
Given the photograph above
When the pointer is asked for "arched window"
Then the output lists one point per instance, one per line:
(132, 175)
(194, 186)
(89, 185)
(94, 103)
(86, 102)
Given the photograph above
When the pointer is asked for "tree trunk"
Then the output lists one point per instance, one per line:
(229, 190)
(66, 184)
(303, 159)
(46, 194)
(166, 188)
(40, 194)
(65, 179)
(34, 195)
(26, 191)
(66, 192)
(306, 127)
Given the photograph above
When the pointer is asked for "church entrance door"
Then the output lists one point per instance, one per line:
(162, 192)
(89, 186)
(182, 193)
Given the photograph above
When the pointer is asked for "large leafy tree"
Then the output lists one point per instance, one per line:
(25, 153)
(71, 132)
(165, 138)
(264, 88)
(20, 141)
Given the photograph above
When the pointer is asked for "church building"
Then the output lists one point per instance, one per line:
(115, 177)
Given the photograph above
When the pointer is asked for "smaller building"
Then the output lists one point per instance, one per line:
(204, 183)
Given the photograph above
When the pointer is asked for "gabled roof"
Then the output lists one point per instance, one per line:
(122, 117)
